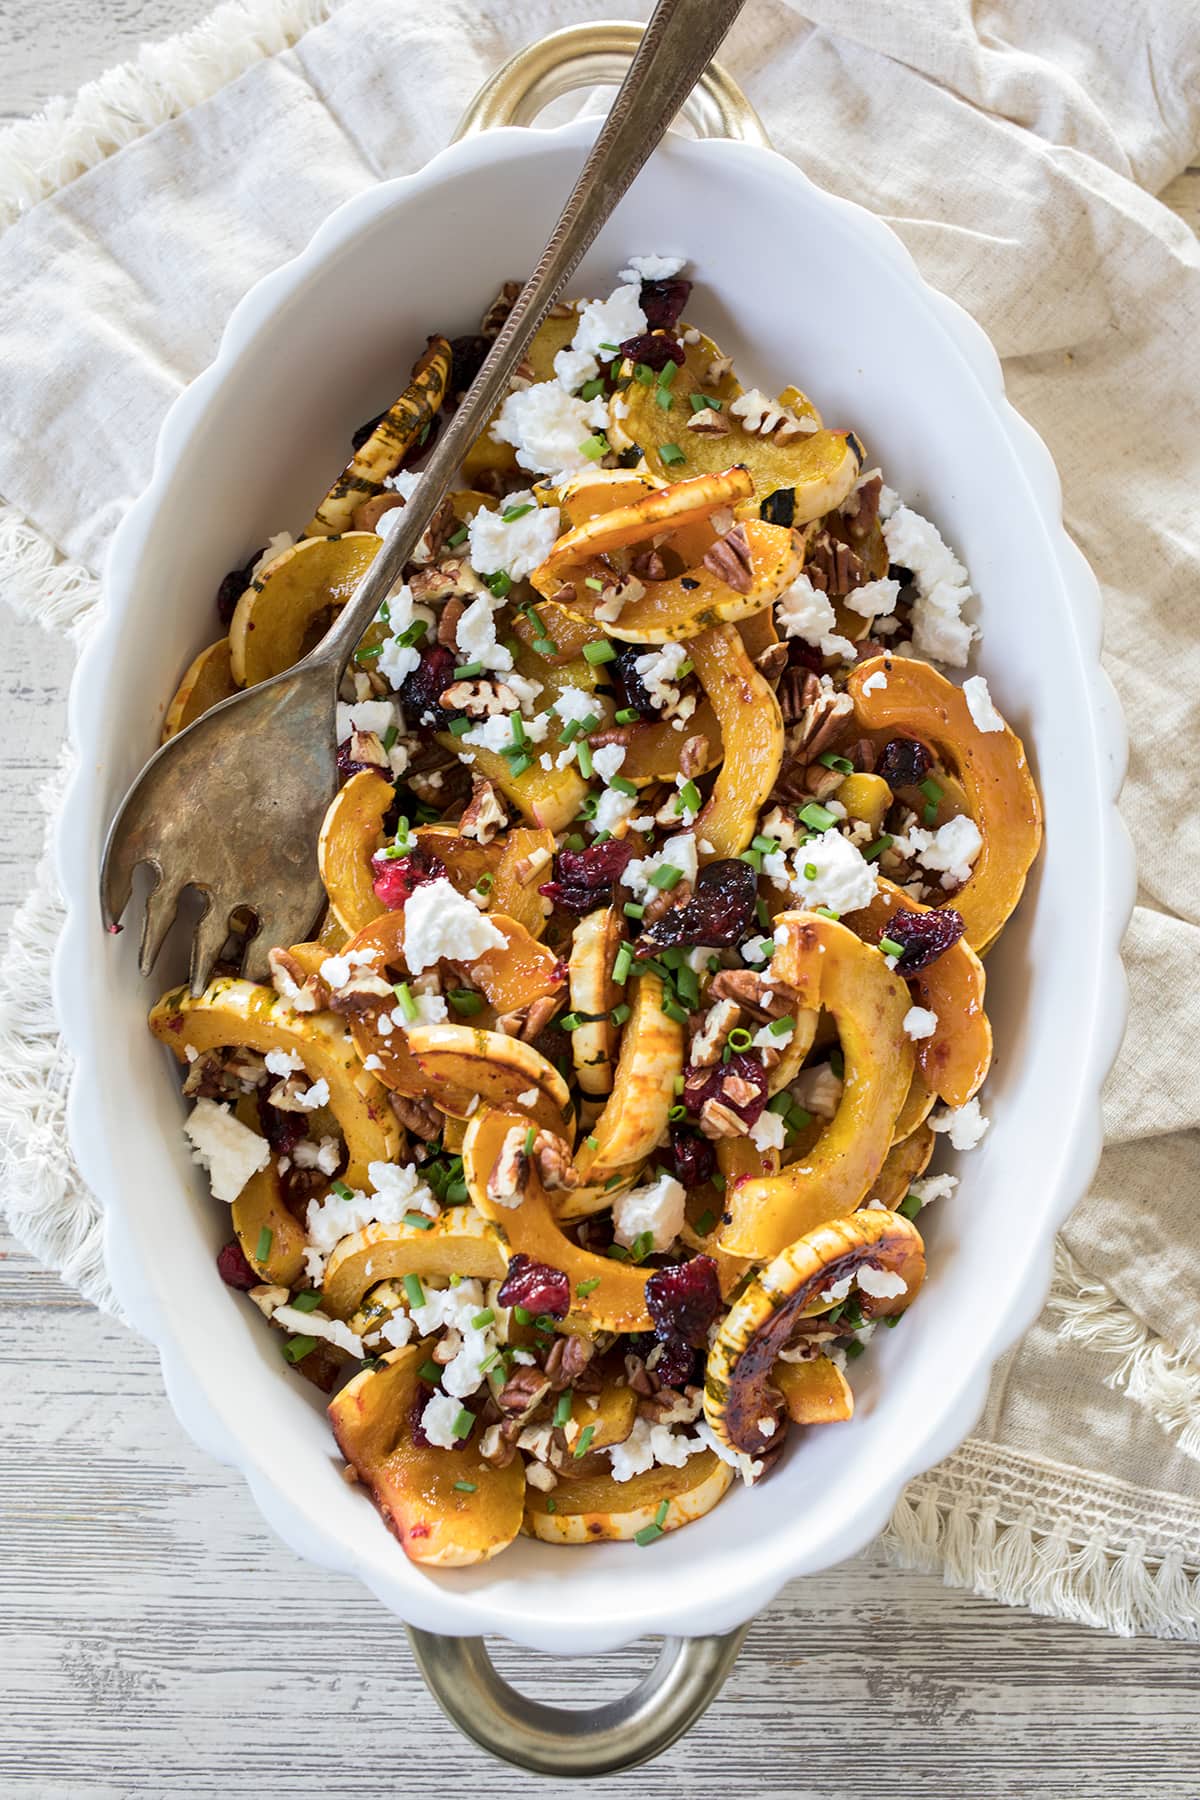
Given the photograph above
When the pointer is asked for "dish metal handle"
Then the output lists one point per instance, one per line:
(554, 1740)
(592, 55)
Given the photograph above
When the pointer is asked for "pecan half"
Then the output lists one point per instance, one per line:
(729, 559)
(521, 1393)
(693, 755)
(649, 566)
(451, 577)
(303, 993)
(478, 699)
(710, 1039)
(447, 631)
(528, 1021)
(498, 311)
(833, 566)
(484, 816)
(755, 994)
(420, 1117)
(367, 516)
(771, 662)
(718, 1121)
(709, 423)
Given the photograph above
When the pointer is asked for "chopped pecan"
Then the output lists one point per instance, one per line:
(433, 539)
(478, 699)
(638, 1377)
(366, 748)
(771, 662)
(498, 311)
(860, 508)
(615, 595)
(420, 1117)
(367, 516)
(511, 1170)
(567, 1360)
(718, 1121)
(665, 901)
(757, 995)
(709, 423)
(715, 1027)
(738, 1091)
(552, 1159)
(832, 566)
(361, 993)
(718, 368)
(540, 1475)
(527, 868)
(447, 631)
(522, 1392)
(484, 816)
(528, 1021)
(495, 1448)
(693, 755)
(443, 580)
(303, 993)
(729, 559)
(670, 1407)
(649, 566)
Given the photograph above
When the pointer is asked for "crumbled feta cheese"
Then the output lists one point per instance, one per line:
(283, 1062)
(889, 500)
(574, 705)
(366, 715)
(818, 1090)
(933, 1187)
(229, 1150)
(920, 1023)
(748, 1467)
(546, 425)
(404, 482)
(677, 853)
(844, 881)
(938, 628)
(965, 1125)
(837, 1290)
(610, 321)
(980, 705)
(324, 1156)
(648, 1445)
(475, 635)
(492, 733)
(607, 760)
(612, 809)
(953, 847)
(438, 1420)
(518, 547)
(881, 1284)
(875, 684)
(653, 268)
(757, 949)
(311, 1097)
(431, 1010)
(282, 540)
(874, 599)
(803, 611)
(439, 922)
(396, 661)
(657, 669)
(319, 1325)
(656, 1208)
(397, 1331)
(529, 1098)
(768, 1131)
(575, 368)
(336, 971)
(328, 1221)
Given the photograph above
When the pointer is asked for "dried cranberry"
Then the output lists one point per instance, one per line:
(233, 1268)
(348, 764)
(675, 1364)
(583, 877)
(634, 690)
(536, 1286)
(692, 1157)
(395, 877)
(925, 936)
(467, 357)
(719, 913)
(805, 656)
(416, 1430)
(655, 352)
(419, 692)
(663, 301)
(700, 1085)
(684, 1299)
(233, 587)
(364, 431)
(903, 762)
(282, 1130)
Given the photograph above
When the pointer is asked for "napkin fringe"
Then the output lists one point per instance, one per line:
(69, 136)
(1165, 1380)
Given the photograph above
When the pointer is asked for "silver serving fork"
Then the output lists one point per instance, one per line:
(233, 805)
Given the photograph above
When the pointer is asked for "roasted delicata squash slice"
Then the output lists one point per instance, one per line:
(650, 425)
(1001, 797)
(449, 1508)
(460, 1067)
(262, 1222)
(918, 1104)
(617, 1302)
(351, 833)
(905, 1161)
(393, 437)
(598, 938)
(815, 1392)
(460, 1242)
(643, 1091)
(829, 966)
(865, 797)
(752, 733)
(286, 607)
(609, 1416)
(524, 864)
(511, 976)
(739, 1395)
(652, 748)
(231, 1012)
(207, 681)
(547, 799)
(599, 1509)
(466, 861)
(954, 1061)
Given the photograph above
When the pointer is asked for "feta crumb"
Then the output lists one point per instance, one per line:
(881, 1284)
(575, 368)
(748, 1467)
(933, 1187)
(818, 1090)
(229, 1150)
(366, 715)
(607, 760)
(439, 922)
(475, 635)
(283, 1062)
(438, 1420)
(677, 853)
(431, 1010)
(546, 425)
(657, 669)
(953, 847)
(803, 611)
(311, 1097)
(874, 599)
(324, 1156)
(275, 546)
(318, 1325)
(758, 949)
(657, 1208)
(980, 705)
(518, 547)
(875, 684)
(938, 629)
(612, 809)
(648, 1445)
(574, 705)
(844, 880)
(920, 1023)
(529, 1097)
(768, 1131)
(965, 1125)
(653, 268)
(610, 321)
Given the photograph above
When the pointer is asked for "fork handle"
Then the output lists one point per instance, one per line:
(676, 47)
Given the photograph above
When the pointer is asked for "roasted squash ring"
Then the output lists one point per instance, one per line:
(282, 607)
(599, 1509)
(738, 1393)
(1000, 791)
(207, 680)
(351, 832)
(596, 942)
(449, 1508)
(907, 1159)
(643, 1092)
(830, 967)
(460, 1242)
(752, 733)
(815, 1392)
(385, 449)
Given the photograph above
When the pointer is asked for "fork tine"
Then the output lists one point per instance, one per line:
(159, 917)
(208, 942)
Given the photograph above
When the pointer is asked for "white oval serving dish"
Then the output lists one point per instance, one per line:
(325, 342)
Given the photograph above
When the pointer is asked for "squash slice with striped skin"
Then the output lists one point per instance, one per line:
(598, 1509)
(207, 681)
(279, 615)
(830, 967)
(618, 1300)
(460, 1242)
(394, 436)
(231, 1012)
(439, 1523)
(594, 946)
(815, 1392)
(1000, 792)
(752, 732)
(351, 832)
(738, 1384)
(643, 1091)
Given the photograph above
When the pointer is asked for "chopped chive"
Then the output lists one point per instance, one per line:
(612, 347)
(516, 512)
(931, 789)
(672, 1010)
(827, 912)
(585, 1440)
(483, 1318)
(718, 1181)
(465, 1487)
(522, 1315)
(530, 1135)
(660, 1517)
(647, 1535)
(676, 1113)
(619, 1014)
(299, 1347)
(810, 871)
(698, 402)
(621, 964)
(570, 732)
(667, 374)
(761, 914)
(818, 817)
(518, 729)
(890, 947)
(687, 985)
(777, 1027)
(593, 1143)
(644, 373)
(468, 671)
(628, 715)
(583, 755)
(910, 1206)
(463, 1423)
(456, 538)
(414, 1292)
(500, 583)
(485, 883)
(929, 812)
(589, 724)
(413, 634)
(754, 858)
(594, 447)
(685, 668)
(837, 1061)
(739, 1038)
(545, 646)
(689, 793)
(584, 1288)
(671, 453)
(519, 764)
(419, 1221)
(430, 1371)
(460, 727)
(678, 1084)
(623, 786)
(632, 910)
(308, 1302)
(465, 1002)
(613, 1181)
(341, 1190)
(389, 737)
(662, 397)
(615, 1251)
(765, 844)
(408, 1005)
(832, 761)
(665, 878)
(877, 848)
(587, 808)
(562, 1409)
(779, 1104)
(601, 651)
(892, 1320)
(369, 654)
(551, 1503)
(706, 1221)
(591, 389)
(835, 1313)
(854, 1350)
(263, 1248)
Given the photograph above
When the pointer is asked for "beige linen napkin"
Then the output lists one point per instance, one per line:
(1016, 146)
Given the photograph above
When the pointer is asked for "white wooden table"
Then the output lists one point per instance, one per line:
(156, 1640)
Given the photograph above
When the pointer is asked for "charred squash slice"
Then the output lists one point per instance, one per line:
(599, 1509)
(384, 451)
